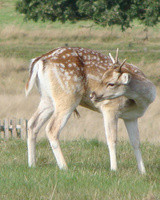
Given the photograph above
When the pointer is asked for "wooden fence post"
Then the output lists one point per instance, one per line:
(6, 128)
(13, 128)
(14, 131)
(2, 129)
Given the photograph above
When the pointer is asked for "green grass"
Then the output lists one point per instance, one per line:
(88, 176)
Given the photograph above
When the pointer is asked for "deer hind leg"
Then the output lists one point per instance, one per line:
(42, 114)
(54, 127)
(133, 132)
(110, 124)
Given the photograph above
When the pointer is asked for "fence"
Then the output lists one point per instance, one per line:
(13, 128)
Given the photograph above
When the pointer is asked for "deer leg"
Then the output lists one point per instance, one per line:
(53, 130)
(110, 124)
(44, 111)
(133, 132)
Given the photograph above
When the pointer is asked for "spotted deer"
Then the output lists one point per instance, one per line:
(67, 77)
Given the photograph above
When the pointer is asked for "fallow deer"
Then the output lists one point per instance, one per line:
(67, 77)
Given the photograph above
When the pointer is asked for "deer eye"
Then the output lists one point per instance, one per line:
(111, 84)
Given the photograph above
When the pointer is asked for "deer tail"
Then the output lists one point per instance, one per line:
(33, 71)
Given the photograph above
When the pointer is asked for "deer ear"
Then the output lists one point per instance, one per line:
(126, 78)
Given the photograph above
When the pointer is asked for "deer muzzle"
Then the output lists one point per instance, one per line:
(95, 98)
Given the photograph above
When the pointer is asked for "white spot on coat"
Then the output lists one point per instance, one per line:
(62, 65)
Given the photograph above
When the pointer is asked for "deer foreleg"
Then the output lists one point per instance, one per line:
(110, 124)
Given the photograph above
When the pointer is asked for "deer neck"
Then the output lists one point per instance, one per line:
(143, 92)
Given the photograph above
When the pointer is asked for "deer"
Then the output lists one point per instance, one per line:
(70, 76)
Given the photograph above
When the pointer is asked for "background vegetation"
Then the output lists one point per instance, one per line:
(88, 176)
(105, 13)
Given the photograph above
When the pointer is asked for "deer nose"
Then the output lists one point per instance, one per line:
(92, 95)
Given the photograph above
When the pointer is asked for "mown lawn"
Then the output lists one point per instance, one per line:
(88, 176)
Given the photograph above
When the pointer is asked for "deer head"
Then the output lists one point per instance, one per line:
(114, 82)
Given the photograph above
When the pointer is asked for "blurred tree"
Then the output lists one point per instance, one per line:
(108, 12)
(105, 13)
(148, 12)
(48, 10)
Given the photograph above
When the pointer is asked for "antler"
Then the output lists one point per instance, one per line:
(117, 56)
(123, 62)
(119, 68)
(115, 61)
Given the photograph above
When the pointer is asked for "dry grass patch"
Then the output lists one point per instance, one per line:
(48, 33)
(12, 64)
(14, 74)
(151, 69)
(73, 33)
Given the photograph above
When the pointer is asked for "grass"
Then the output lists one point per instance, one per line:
(88, 176)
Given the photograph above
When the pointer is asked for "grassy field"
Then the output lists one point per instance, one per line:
(88, 176)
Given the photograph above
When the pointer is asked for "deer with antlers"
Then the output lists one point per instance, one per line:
(67, 77)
